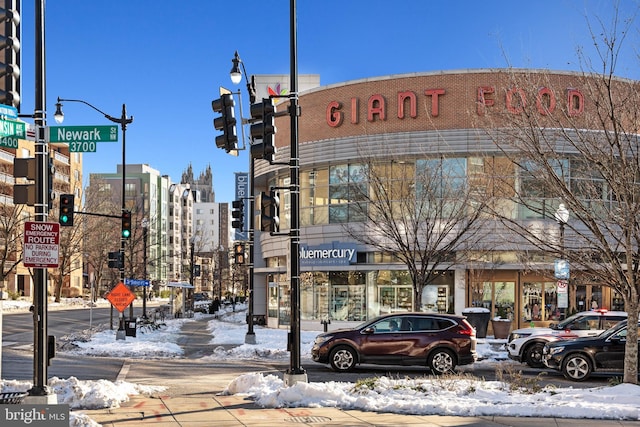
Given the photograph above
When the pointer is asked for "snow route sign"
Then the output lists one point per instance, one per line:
(41, 244)
(120, 297)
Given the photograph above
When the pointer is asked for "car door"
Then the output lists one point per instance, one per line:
(384, 345)
(611, 355)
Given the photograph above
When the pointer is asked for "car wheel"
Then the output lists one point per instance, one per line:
(441, 361)
(533, 355)
(577, 367)
(343, 359)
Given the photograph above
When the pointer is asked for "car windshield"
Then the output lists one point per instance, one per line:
(620, 327)
(565, 322)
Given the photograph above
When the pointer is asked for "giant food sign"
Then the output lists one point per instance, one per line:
(41, 244)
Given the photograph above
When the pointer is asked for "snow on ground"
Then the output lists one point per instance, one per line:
(449, 395)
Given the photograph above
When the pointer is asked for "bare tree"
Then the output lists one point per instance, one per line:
(70, 255)
(584, 154)
(11, 235)
(422, 213)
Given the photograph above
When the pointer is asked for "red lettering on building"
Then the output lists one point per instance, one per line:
(434, 94)
(334, 115)
(402, 98)
(575, 102)
(515, 102)
(545, 101)
(514, 105)
(377, 107)
(483, 101)
(355, 111)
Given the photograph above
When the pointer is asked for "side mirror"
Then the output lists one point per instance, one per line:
(368, 330)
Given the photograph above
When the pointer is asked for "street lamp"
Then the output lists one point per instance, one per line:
(123, 121)
(236, 76)
(562, 216)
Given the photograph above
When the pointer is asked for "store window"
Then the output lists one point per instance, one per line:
(394, 292)
(348, 296)
(498, 297)
(539, 302)
(347, 185)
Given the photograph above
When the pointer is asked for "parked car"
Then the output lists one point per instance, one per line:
(525, 345)
(201, 296)
(578, 358)
(437, 341)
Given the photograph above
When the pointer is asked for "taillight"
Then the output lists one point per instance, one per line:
(467, 329)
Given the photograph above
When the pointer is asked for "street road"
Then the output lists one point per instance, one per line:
(17, 357)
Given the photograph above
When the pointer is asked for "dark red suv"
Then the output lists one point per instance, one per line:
(437, 341)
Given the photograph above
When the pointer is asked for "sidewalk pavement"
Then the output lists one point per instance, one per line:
(194, 398)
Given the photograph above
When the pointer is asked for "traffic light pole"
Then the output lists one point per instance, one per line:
(250, 337)
(40, 393)
(295, 373)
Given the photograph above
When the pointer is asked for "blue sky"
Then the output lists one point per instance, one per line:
(166, 60)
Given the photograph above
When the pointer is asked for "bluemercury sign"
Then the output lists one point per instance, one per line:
(242, 193)
(334, 253)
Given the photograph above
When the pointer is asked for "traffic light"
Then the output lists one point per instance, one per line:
(263, 129)
(238, 253)
(116, 260)
(269, 212)
(226, 122)
(126, 224)
(238, 214)
(11, 57)
(25, 193)
(66, 209)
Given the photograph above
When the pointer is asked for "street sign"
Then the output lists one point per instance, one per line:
(82, 147)
(136, 282)
(13, 128)
(71, 134)
(8, 111)
(11, 132)
(120, 297)
(41, 244)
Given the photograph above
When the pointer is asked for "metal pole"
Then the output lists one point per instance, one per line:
(250, 338)
(296, 373)
(41, 212)
(145, 226)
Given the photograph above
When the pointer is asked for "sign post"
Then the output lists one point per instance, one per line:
(120, 297)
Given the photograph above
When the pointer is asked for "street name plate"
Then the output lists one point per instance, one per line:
(71, 134)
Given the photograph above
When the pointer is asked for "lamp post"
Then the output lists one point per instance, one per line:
(145, 229)
(40, 392)
(296, 372)
(236, 76)
(562, 216)
(123, 121)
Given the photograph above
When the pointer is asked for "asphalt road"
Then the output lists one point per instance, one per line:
(17, 356)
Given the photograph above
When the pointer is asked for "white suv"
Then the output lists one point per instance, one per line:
(525, 345)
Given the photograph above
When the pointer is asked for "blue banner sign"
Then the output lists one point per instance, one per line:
(136, 282)
(561, 269)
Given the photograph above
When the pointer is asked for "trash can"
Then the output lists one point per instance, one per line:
(479, 318)
(130, 327)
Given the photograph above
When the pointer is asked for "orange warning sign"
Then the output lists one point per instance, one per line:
(120, 297)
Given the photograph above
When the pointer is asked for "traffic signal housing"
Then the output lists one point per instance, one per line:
(126, 224)
(66, 210)
(10, 59)
(238, 253)
(263, 129)
(237, 214)
(270, 212)
(226, 122)
(116, 260)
